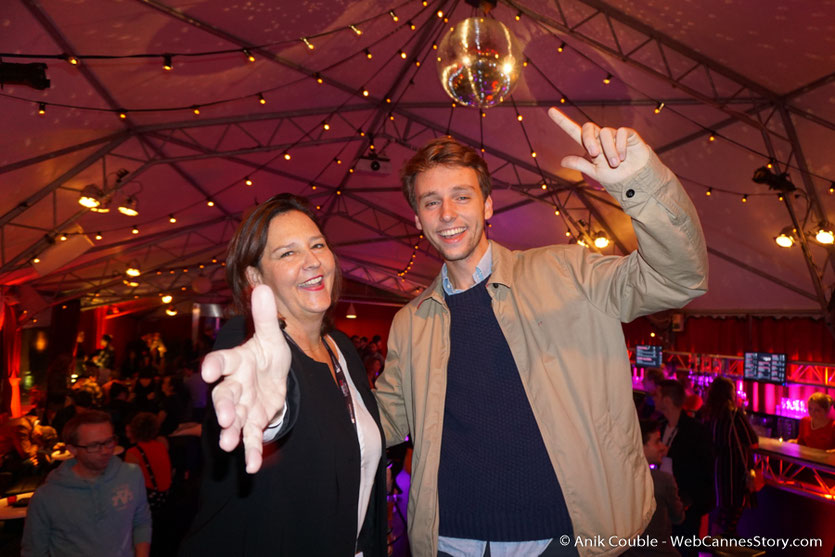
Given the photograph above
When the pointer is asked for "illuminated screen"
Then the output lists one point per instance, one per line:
(765, 367)
(648, 356)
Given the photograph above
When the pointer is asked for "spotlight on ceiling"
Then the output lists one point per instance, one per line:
(90, 197)
(786, 238)
(778, 182)
(824, 235)
(133, 269)
(601, 240)
(352, 312)
(129, 206)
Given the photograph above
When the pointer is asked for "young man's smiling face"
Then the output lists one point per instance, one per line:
(451, 212)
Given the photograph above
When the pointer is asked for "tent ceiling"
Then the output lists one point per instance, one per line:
(761, 82)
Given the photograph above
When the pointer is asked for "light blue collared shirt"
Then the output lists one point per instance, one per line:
(482, 271)
(458, 547)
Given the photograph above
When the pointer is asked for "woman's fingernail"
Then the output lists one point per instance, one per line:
(614, 161)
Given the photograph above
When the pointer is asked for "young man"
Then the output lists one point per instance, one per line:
(510, 372)
(689, 459)
(668, 507)
(93, 504)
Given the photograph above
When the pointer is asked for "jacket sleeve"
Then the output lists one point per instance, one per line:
(389, 385)
(36, 530)
(668, 269)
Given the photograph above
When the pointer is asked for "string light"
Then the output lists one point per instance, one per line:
(337, 160)
(608, 79)
(519, 117)
(745, 198)
(167, 62)
(63, 237)
(368, 54)
(711, 137)
(286, 156)
(659, 107)
(365, 92)
(261, 99)
(709, 192)
(35, 259)
(440, 14)
(831, 188)
(210, 203)
(318, 77)
(533, 154)
(249, 55)
(518, 15)
(561, 48)
(196, 110)
(42, 108)
(403, 55)
(72, 60)
(770, 164)
(411, 25)
(98, 236)
(308, 43)
(394, 16)
(134, 230)
(326, 126)
(123, 114)
(357, 31)
(544, 186)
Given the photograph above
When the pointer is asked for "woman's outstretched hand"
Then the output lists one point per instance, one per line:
(252, 381)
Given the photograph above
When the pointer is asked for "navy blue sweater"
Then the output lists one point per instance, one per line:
(495, 480)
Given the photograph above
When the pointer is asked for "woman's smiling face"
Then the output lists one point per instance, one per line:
(298, 266)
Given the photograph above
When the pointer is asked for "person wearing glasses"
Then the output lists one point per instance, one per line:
(93, 504)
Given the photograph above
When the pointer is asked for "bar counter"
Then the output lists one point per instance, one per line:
(796, 468)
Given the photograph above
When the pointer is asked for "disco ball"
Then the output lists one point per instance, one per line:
(479, 62)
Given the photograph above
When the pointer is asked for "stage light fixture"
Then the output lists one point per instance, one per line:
(91, 196)
(129, 206)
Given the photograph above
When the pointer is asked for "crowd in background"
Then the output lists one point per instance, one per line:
(701, 450)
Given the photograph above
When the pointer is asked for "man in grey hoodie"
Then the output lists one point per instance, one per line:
(93, 504)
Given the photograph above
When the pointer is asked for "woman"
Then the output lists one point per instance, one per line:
(817, 430)
(150, 453)
(733, 441)
(321, 487)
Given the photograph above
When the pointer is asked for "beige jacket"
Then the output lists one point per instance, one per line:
(560, 308)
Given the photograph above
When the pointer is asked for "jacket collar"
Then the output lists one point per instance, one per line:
(499, 274)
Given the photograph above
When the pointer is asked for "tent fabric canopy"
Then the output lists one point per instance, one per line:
(760, 83)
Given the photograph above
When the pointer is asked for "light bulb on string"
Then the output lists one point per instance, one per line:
(745, 198)
(99, 236)
(307, 43)
(172, 219)
(709, 192)
(249, 55)
(368, 54)
(248, 181)
(561, 48)
(318, 77)
(608, 79)
(72, 60)
(357, 31)
(196, 110)
(42, 109)
(394, 16)
(261, 99)
(659, 107)
(711, 137)
(167, 62)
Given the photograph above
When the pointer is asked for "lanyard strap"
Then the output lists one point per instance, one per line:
(342, 382)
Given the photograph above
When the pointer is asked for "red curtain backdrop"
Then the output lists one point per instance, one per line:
(801, 339)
